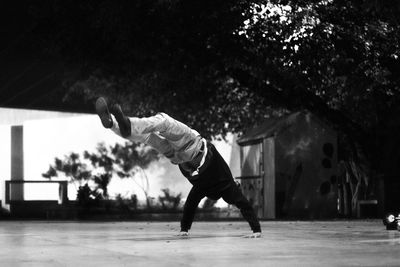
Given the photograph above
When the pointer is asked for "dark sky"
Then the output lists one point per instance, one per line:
(28, 77)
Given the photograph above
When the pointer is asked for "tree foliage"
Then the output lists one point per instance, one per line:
(124, 161)
(222, 65)
(338, 59)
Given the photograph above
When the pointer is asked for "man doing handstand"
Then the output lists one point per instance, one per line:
(198, 160)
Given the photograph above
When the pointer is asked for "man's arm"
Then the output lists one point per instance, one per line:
(189, 210)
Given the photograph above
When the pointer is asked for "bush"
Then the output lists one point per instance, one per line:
(169, 201)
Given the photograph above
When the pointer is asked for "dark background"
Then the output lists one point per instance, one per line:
(199, 62)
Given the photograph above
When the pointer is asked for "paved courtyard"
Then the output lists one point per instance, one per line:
(332, 243)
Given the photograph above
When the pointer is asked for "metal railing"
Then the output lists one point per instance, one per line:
(62, 189)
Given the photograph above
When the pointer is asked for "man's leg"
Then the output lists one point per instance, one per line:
(121, 125)
(104, 113)
(234, 196)
(180, 136)
(160, 144)
(185, 142)
(161, 123)
(154, 140)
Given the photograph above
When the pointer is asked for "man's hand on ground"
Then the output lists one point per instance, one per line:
(183, 234)
(253, 235)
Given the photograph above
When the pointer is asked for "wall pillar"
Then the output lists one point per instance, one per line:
(17, 162)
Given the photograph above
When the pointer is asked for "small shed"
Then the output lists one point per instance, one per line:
(288, 167)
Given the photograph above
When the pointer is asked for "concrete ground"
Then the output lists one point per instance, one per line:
(332, 243)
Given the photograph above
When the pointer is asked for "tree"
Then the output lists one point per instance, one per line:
(169, 200)
(150, 55)
(126, 161)
(71, 166)
(225, 65)
(132, 159)
(338, 59)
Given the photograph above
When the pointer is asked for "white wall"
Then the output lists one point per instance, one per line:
(53, 134)
(46, 139)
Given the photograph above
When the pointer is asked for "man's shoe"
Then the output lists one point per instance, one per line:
(104, 114)
(123, 121)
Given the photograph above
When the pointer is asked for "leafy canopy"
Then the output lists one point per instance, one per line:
(100, 166)
(224, 65)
